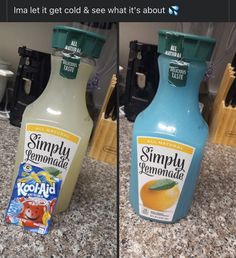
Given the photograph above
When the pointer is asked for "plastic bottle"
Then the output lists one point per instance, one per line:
(56, 127)
(170, 134)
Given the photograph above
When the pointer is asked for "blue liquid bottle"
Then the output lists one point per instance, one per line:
(170, 134)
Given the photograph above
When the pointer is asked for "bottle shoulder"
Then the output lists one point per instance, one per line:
(154, 114)
(188, 129)
(70, 120)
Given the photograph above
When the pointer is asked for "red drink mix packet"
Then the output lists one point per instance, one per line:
(34, 198)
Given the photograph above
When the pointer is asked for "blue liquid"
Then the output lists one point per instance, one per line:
(173, 114)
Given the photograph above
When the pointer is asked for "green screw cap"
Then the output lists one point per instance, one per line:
(79, 41)
(185, 46)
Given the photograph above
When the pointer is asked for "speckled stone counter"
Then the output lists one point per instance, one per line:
(210, 228)
(86, 229)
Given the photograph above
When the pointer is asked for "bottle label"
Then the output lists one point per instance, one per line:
(69, 66)
(50, 148)
(163, 166)
(178, 73)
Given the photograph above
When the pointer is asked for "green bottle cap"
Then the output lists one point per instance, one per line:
(79, 41)
(185, 46)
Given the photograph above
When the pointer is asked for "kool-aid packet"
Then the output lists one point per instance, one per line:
(34, 198)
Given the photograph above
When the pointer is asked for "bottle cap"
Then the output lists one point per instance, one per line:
(185, 46)
(79, 41)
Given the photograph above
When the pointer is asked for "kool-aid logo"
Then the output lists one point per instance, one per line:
(42, 189)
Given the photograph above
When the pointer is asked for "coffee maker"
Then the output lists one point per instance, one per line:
(31, 79)
(142, 78)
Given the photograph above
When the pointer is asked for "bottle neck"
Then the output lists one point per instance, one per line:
(185, 95)
(69, 89)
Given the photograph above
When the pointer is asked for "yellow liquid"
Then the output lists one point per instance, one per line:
(62, 105)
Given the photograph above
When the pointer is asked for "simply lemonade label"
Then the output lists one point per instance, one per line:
(162, 169)
(50, 148)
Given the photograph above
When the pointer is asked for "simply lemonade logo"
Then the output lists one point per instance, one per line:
(51, 153)
(163, 158)
(50, 147)
(166, 165)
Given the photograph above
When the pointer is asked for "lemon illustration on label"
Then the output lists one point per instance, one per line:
(159, 194)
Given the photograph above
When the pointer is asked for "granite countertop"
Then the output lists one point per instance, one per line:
(210, 228)
(86, 229)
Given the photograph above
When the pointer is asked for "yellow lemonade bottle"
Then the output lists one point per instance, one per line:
(56, 128)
